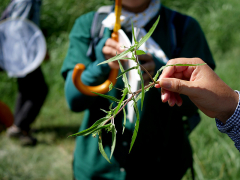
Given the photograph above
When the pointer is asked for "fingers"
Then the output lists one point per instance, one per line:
(171, 97)
(145, 58)
(185, 70)
(179, 86)
(111, 48)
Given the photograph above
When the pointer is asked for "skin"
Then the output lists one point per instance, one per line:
(111, 46)
(201, 84)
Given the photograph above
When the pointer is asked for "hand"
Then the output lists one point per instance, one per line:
(201, 84)
(109, 51)
(147, 62)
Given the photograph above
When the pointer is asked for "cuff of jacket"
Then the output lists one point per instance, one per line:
(232, 126)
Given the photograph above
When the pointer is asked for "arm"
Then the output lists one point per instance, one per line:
(93, 74)
(79, 42)
(206, 90)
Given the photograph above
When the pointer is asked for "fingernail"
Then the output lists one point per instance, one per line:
(170, 102)
(166, 84)
(163, 96)
(157, 86)
(121, 49)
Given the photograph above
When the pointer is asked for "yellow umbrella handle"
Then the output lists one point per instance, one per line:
(79, 68)
(87, 90)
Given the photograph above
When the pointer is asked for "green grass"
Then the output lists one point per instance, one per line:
(215, 156)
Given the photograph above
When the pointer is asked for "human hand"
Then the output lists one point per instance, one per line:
(109, 51)
(201, 84)
(148, 64)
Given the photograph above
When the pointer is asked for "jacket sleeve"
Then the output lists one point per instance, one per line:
(80, 39)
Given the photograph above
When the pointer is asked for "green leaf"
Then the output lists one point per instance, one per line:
(99, 127)
(128, 58)
(125, 80)
(90, 130)
(114, 132)
(119, 56)
(124, 120)
(140, 95)
(126, 71)
(107, 97)
(163, 67)
(125, 91)
(186, 64)
(110, 87)
(158, 72)
(104, 111)
(145, 38)
(142, 84)
(136, 125)
(140, 52)
(101, 149)
(134, 37)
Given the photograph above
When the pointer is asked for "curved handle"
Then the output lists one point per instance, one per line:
(87, 90)
(6, 116)
(79, 68)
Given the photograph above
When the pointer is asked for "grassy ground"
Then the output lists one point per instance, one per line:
(214, 153)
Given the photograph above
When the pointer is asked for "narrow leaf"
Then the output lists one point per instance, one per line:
(107, 97)
(125, 91)
(158, 72)
(140, 95)
(145, 38)
(140, 52)
(133, 33)
(91, 129)
(124, 120)
(126, 71)
(125, 80)
(104, 111)
(110, 87)
(125, 58)
(136, 125)
(186, 64)
(119, 56)
(163, 67)
(101, 149)
(142, 84)
(99, 128)
(114, 132)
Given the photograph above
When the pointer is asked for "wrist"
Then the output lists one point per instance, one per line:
(232, 104)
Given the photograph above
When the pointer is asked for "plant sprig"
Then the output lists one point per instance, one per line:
(107, 122)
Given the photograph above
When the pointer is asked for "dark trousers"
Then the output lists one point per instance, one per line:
(32, 92)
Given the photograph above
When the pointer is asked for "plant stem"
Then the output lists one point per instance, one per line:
(143, 67)
(127, 100)
(145, 87)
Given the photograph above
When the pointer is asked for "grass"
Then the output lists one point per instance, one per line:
(215, 156)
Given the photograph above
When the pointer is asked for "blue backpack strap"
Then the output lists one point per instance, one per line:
(97, 29)
(179, 23)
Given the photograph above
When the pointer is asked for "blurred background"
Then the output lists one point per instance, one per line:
(215, 156)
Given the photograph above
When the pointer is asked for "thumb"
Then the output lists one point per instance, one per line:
(176, 85)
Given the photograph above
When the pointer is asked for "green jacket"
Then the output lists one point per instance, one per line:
(162, 148)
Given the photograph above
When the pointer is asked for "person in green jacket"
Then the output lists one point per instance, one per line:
(162, 149)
